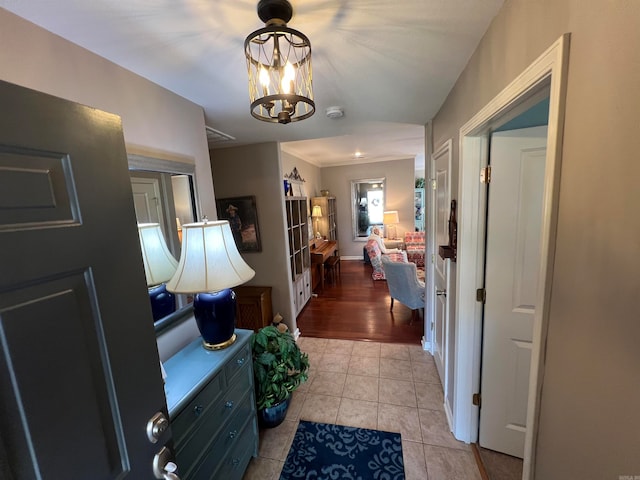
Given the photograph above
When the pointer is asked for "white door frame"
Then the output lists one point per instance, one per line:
(548, 71)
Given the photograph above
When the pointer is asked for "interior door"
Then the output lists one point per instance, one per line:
(514, 222)
(79, 367)
(146, 200)
(441, 168)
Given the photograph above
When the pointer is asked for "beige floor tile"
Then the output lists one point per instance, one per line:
(396, 418)
(320, 408)
(297, 400)
(364, 366)
(311, 344)
(263, 469)
(429, 395)
(395, 351)
(315, 360)
(342, 347)
(334, 362)
(275, 442)
(366, 349)
(360, 387)
(358, 413)
(328, 383)
(398, 369)
(397, 392)
(435, 430)
(415, 467)
(425, 372)
(450, 464)
(418, 354)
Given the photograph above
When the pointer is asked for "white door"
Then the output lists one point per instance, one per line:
(147, 200)
(79, 368)
(441, 166)
(514, 221)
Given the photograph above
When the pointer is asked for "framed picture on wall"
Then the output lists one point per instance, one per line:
(242, 214)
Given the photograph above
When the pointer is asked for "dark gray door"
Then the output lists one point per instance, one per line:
(79, 368)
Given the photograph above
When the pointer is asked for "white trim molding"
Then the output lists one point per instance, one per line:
(547, 74)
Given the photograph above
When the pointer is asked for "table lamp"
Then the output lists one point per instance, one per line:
(390, 218)
(159, 266)
(210, 265)
(317, 214)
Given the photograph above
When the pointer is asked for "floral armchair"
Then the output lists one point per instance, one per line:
(415, 245)
(375, 256)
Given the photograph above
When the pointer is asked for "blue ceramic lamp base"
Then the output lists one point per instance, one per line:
(215, 315)
(163, 302)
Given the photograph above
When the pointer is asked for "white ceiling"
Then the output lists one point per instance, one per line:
(390, 65)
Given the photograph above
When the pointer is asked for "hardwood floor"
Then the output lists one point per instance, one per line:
(357, 308)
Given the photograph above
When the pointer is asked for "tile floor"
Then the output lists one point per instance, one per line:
(381, 386)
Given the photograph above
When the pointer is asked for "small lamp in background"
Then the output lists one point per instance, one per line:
(159, 266)
(210, 265)
(317, 214)
(391, 218)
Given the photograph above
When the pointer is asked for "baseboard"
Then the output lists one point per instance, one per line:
(351, 257)
(448, 413)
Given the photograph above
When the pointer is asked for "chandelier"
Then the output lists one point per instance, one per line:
(279, 66)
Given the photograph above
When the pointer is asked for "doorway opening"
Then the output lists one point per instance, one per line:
(545, 77)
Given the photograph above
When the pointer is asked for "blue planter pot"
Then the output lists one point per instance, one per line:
(273, 416)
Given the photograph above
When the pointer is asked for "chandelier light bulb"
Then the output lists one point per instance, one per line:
(264, 77)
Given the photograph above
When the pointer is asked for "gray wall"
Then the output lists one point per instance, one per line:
(309, 172)
(399, 192)
(589, 424)
(255, 170)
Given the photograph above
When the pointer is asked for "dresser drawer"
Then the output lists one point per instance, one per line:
(226, 415)
(193, 414)
(239, 363)
(228, 460)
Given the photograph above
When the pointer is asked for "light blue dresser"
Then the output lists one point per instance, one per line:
(210, 397)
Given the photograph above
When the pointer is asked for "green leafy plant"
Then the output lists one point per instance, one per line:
(420, 182)
(279, 366)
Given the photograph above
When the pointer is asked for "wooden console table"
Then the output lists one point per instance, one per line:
(320, 252)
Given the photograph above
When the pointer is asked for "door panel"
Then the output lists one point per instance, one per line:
(79, 367)
(512, 263)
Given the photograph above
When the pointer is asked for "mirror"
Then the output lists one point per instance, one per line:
(367, 206)
(164, 193)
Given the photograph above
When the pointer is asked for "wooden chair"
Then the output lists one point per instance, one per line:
(332, 267)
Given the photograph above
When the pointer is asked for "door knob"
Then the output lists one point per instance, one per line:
(441, 292)
(156, 426)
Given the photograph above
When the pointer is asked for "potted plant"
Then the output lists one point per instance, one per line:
(279, 367)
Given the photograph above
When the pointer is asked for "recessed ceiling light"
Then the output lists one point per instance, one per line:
(358, 155)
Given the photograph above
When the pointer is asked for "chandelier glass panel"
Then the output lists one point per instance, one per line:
(279, 68)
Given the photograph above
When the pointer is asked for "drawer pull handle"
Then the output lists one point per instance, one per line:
(233, 434)
(197, 410)
(235, 462)
(229, 404)
(240, 361)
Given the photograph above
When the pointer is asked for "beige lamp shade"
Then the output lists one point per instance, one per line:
(316, 212)
(390, 217)
(210, 260)
(159, 264)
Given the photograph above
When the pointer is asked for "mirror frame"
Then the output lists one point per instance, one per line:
(354, 203)
(151, 164)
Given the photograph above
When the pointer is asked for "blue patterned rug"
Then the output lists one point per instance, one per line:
(320, 451)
